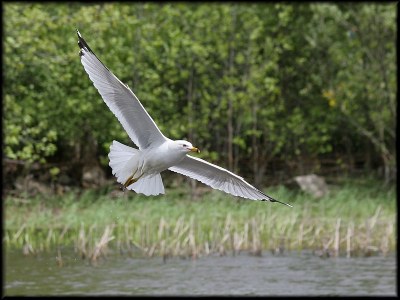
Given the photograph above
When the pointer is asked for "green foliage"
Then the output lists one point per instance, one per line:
(292, 80)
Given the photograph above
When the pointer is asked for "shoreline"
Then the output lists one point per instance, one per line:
(350, 221)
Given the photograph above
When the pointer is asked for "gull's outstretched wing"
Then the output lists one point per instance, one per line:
(120, 100)
(219, 178)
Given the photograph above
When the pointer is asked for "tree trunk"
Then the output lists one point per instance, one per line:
(231, 91)
(254, 145)
(190, 122)
(136, 47)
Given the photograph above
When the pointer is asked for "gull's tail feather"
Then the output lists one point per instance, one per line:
(148, 185)
(125, 162)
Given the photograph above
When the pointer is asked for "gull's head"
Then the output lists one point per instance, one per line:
(185, 146)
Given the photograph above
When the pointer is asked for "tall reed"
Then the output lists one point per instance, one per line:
(349, 221)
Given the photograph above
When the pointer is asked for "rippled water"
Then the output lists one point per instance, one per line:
(290, 274)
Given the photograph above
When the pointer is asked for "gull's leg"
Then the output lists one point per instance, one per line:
(131, 180)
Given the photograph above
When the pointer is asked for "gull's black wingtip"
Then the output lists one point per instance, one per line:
(274, 200)
(78, 34)
(84, 47)
(80, 38)
(82, 43)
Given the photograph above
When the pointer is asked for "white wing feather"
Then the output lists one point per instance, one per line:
(121, 100)
(219, 178)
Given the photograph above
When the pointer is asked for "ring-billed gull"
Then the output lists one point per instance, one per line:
(139, 169)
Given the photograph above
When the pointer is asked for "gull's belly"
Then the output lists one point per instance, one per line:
(158, 160)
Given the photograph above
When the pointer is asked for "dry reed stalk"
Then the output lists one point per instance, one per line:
(374, 218)
(147, 234)
(337, 238)
(228, 222)
(48, 239)
(384, 245)
(206, 248)
(182, 245)
(59, 259)
(317, 230)
(326, 245)
(151, 250)
(185, 250)
(262, 224)
(349, 235)
(300, 236)
(137, 246)
(192, 245)
(270, 227)
(227, 229)
(246, 235)
(142, 233)
(220, 245)
(178, 225)
(18, 233)
(127, 237)
(290, 241)
(291, 225)
(221, 250)
(232, 239)
(367, 245)
(237, 242)
(234, 242)
(6, 238)
(281, 248)
(161, 228)
(192, 240)
(282, 232)
(27, 249)
(65, 229)
(185, 241)
(102, 244)
(386, 238)
(179, 231)
(90, 238)
(278, 240)
(224, 239)
(81, 243)
(307, 231)
(163, 250)
(183, 231)
(256, 244)
(120, 247)
(177, 248)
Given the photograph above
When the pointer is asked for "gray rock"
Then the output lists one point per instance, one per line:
(312, 184)
(92, 176)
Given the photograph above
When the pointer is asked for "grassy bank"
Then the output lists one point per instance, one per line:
(355, 218)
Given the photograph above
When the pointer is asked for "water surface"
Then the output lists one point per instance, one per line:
(289, 274)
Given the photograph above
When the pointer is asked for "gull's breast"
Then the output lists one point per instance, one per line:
(161, 158)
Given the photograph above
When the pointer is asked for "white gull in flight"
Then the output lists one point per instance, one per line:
(139, 169)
